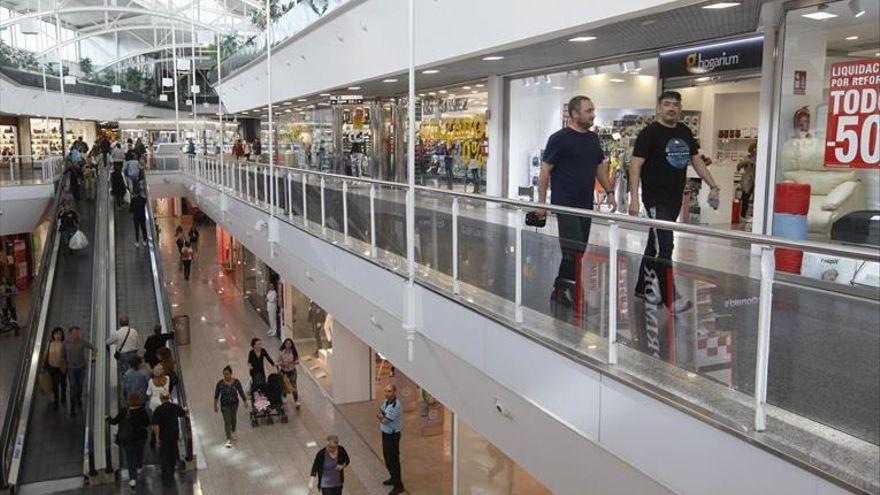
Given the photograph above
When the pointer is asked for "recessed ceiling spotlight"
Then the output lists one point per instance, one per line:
(493, 58)
(851, 38)
(617, 80)
(465, 87)
(548, 80)
(422, 95)
(820, 14)
(389, 80)
(301, 100)
(560, 88)
(526, 83)
(354, 88)
(474, 92)
(721, 5)
(856, 7)
(581, 39)
(430, 71)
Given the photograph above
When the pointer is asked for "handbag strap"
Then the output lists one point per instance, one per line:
(125, 339)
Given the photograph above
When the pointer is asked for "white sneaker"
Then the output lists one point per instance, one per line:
(229, 444)
(132, 483)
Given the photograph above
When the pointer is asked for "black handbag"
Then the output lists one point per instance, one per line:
(118, 354)
(535, 220)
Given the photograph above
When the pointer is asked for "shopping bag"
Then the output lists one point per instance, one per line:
(44, 381)
(127, 198)
(288, 385)
(78, 241)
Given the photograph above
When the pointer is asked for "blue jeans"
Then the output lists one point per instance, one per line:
(75, 378)
(124, 362)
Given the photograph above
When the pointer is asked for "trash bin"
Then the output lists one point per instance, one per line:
(181, 329)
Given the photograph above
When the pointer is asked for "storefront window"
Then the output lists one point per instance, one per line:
(828, 132)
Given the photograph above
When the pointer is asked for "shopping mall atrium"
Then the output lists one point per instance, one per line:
(440, 247)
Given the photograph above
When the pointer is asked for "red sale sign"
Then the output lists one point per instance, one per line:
(853, 132)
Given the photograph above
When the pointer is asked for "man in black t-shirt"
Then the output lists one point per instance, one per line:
(167, 432)
(661, 155)
(572, 162)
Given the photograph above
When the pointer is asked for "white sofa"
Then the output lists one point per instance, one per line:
(834, 192)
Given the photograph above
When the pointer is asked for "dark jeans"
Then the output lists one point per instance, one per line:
(745, 201)
(656, 282)
(475, 172)
(187, 264)
(168, 457)
(574, 234)
(120, 199)
(58, 384)
(391, 452)
(336, 490)
(134, 457)
(66, 234)
(140, 229)
(9, 309)
(124, 362)
(75, 378)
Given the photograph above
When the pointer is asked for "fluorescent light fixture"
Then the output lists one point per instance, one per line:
(301, 100)
(324, 94)
(465, 87)
(581, 39)
(617, 80)
(851, 38)
(354, 88)
(163, 97)
(389, 80)
(432, 93)
(819, 15)
(721, 5)
(856, 7)
(443, 91)
(474, 92)
(430, 71)
(287, 111)
(703, 79)
(493, 58)
(559, 87)
(480, 85)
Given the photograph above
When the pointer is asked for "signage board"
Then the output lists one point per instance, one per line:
(712, 59)
(346, 100)
(852, 135)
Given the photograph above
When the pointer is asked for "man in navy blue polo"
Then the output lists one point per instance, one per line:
(572, 163)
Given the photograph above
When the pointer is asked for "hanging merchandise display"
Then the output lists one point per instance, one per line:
(453, 146)
(357, 141)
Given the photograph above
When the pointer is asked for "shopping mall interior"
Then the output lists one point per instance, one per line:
(344, 247)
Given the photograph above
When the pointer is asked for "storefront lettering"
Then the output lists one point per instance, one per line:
(853, 127)
(699, 65)
(652, 302)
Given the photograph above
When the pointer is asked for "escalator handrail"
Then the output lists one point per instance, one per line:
(165, 319)
(8, 442)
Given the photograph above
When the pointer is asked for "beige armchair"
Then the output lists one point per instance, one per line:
(834, 192)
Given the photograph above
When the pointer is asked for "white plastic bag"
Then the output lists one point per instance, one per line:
(78, 241)
(127, 198)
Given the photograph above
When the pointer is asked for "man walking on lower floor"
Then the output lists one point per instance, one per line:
(166, 429)
(390, 419)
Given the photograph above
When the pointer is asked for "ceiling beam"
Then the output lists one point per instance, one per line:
(101, 9)
(145, 51)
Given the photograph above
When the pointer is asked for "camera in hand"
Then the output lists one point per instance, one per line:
(535, 220)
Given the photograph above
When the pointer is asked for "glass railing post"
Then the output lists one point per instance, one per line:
(305, 202)
(768, 268)
(345, 211)
(520, 220)
(247, 182)
(456, 284)
(612, 292)
(289, 196)
(11, 172)
(373, 220)
(266, 196)
(323, 210)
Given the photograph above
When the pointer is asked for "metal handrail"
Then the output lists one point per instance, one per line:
(12, 447)
(165, 319)
(623, 220)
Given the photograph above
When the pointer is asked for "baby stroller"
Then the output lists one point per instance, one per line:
(267, 402)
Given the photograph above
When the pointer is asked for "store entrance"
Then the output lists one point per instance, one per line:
(727, 131)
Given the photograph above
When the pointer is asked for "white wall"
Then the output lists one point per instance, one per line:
(27, 100)
(374, 40)
(350, 365)
(22, 207)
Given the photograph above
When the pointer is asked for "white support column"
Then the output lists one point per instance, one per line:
(305, 201)
(174, 78)
(373, 220)
(350, 361)
(494, 171)
(456, 284)
(762, 361)
(520, 220)
(269, 85)
(289, 196)
(345, 212)
(323, 210)
(613, 242)
(409, 320)
(61, 86)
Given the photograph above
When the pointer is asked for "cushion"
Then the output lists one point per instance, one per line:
(840, 194)
(821, 183)
(818, 220)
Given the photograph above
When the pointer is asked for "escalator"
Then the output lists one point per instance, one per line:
(136, 281)
(41, 444)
